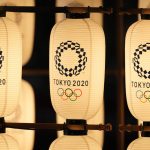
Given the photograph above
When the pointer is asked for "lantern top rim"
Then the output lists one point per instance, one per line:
(71, 15)
(77, 12)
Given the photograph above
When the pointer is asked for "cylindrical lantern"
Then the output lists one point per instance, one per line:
(140, 144)
(98, 18)
(75, 143)
(25, 112)
(10, 66)
(137, 69)
(77, 58)
(26, 23)
(8, 143)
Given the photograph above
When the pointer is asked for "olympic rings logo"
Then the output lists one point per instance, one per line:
(70, 94)
(143, 96)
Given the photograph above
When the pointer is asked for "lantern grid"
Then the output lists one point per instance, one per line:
(53, 126)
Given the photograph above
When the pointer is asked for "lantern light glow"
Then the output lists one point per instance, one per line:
(10, 67)
(75, 142)
(137, 69)
(77, 68)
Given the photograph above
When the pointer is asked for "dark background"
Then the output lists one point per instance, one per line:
(36, 72)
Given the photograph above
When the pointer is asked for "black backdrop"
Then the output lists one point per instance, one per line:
(36, 72)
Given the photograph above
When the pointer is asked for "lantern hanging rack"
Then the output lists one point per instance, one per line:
(58, 127)
(79, 126)
(132, 11)
(40, 9)
(132, 128)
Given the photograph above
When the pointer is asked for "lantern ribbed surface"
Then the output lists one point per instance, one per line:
(77, 58)
(137, 63)
(75, 143)
(8, 143)
(10, 66)
(25, 22)
(140, 144)
(98, 18)
(25, 112)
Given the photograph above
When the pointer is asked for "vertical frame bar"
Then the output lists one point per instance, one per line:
(120, 105)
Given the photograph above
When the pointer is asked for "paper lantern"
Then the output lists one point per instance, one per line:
(137, 69)
(24, 112)
(10, 66)
(98, 18)
(140, 144)
(77, 58)
(75, 143)
(25, 22)
(8, 143)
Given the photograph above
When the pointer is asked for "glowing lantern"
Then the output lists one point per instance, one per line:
(8, 143)
(24, 112)
(25, 22)
(77, 58)
(98, 18)
(75, 142)
(138, 76)
(10, 66)
(137, 69)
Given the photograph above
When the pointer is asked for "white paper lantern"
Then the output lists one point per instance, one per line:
(8, 143)
(25, 112)
(140, 144)
(138, 69)
(77, 58)
(98, 18)
(75, 143)
(26, 23)
(10, 66)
